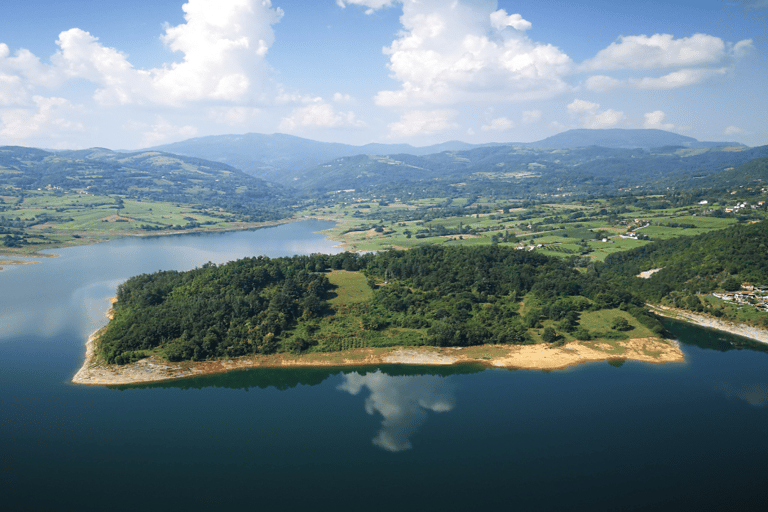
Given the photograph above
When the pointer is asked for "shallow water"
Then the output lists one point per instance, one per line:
(598, 436)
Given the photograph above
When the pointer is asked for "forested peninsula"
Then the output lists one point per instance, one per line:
(449, 300)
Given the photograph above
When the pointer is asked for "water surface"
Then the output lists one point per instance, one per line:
(598, 436)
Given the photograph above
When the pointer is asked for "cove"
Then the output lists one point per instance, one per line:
(597, 436)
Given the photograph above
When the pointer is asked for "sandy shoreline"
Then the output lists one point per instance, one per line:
(540, 357)
(746, 331)
(533, 357)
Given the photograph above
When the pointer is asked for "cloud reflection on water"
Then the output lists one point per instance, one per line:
(755, 394)
(403, 401)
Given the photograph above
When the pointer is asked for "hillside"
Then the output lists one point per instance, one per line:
(692, 268)
(153, 176)
(524, 171)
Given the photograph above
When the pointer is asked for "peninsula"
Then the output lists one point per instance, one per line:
(485, 305)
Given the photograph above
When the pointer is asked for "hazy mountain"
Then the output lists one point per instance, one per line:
(271, 156)
(278, 157)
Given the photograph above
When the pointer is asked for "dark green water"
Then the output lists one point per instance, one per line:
(686, 436)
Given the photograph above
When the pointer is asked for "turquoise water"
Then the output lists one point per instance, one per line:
(599, 437)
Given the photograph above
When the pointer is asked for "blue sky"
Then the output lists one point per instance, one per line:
(84, 73)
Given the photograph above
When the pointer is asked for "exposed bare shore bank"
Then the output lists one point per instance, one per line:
(744, 330)
(542, 357)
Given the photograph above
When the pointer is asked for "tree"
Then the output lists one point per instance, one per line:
(549, 335)
(621, 324)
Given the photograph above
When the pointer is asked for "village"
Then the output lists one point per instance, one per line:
(749, 295)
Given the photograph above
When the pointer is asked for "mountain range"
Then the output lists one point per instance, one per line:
(293, 169)
(276, 157)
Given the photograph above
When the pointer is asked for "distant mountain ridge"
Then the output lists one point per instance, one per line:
(623, 139)
(272, 157)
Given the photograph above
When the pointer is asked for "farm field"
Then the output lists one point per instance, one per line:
(586, 228)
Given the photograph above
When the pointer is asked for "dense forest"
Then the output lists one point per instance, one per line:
(432, 295)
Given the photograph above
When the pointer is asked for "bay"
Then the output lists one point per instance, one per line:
(597, 436)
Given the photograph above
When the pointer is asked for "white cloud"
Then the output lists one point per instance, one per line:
(422, 122)
(733, 130)
(373, 5)
(700, 57)
(589, 115)
(318, 114)
(343, 98)
(21, 73)
(498, 124)
(452, 52)
(49, 116)
(676, 79)
(602, 83)
(501, 20)
(660, 51)
(655, 120)
(531, 116)
(223, 47)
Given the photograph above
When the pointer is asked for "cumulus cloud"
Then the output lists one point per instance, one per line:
(733, 130)
(47, 115)
(452, 52)
(318, 114)
(222, 44)
(659, 51)
(655, 120)
(422, 122)
(589, 115)
(21, 73)
(403, 403)
(700, 57)
(501, 20)
(499, 124)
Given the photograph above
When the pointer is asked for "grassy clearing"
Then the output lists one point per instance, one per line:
(351, 288)
(598, 320)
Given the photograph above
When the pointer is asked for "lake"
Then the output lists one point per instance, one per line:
(599, 436)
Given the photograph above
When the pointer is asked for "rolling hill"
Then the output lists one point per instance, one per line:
(148, 174)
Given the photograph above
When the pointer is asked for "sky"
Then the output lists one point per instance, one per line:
(128, 75)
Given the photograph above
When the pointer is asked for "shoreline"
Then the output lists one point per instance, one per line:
(743, 330)
(529, 357)
(108, 236)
